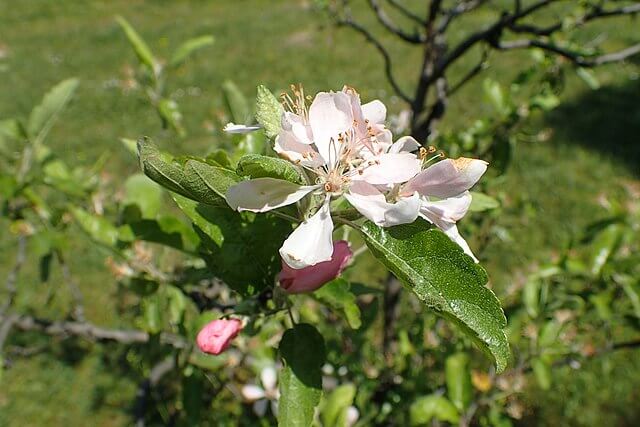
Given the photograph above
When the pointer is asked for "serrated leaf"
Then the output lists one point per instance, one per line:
(303, 351)
(236, 102)
(337, 295)
(188, 48)
(197, 180)
(268, 111)
(139, 46)
(480, 202)
(45, 114)
(445, 279)
(426, 408)
(240, 249)
(258, 166)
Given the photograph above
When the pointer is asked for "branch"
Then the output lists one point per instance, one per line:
(414, 17)
(144, 390)
(12, 277)
(90, 331)
(480, 66)
(572, 56)
(596, 13)
(386, 21)
(348, 22)
(453, 13)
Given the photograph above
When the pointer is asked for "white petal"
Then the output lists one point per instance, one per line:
(296, 125)
(375, 112)
(329, 115)
(233, 128)
(352, 415)
(265, 194)
(451, 209)
(406, 143)
(390, 168)
(447, 178)
(269, 378)
(289, 148)
(252, 392)
(451, 230)
(373, 205)
(260, 407)
(311, 242)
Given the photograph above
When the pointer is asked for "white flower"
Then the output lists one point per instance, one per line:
(345, 147)
(234, 128)
(265, 395)
(444, 196)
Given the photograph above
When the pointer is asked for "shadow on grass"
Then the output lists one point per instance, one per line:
(606, 120)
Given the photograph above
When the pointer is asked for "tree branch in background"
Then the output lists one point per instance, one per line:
(348, 22)
(12, 277)
(386, 22)
(406, 12)
(143, 395)
(74, 289)
(89, 331)
(575, 57)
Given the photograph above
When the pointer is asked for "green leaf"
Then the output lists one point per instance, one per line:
(144, 193)
(480, 202)
(426, 408)
(188, 48)
(333, 409)
(542, 372)
(166, 230)
(209, 183)
(458, 377)
(44, 115)
(588, 77)
(445, 279)
(258, 166)
(139, 46)
(12, 129)
(303, 351)
(240, 249)
(236, 102)
(604, 245)
(268, 111)
(337, 295)
(98, 228)
(198, 181)
(171, 117)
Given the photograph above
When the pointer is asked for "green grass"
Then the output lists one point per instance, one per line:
(550, 193)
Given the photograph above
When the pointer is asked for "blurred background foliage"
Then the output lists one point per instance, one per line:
(560, 247)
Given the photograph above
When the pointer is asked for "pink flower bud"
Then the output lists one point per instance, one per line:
(310, 278)
(216, 336)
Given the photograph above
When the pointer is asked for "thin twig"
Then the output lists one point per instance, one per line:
(388, 68)
(406, 12)
(388, 23)
(12, 277)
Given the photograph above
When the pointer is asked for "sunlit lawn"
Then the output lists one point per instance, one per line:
(551, 191)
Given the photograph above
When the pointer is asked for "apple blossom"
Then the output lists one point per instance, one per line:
(346, 150)
(215, 337)
(310, 278)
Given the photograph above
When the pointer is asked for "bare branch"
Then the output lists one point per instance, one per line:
(74, 289)
(575, 57)
(144, 390)
(596, 13)
(348, 22)
(460, 9)
(12, 277)
(406, 12)
(481, 65)
(90, 331)
(388, 23)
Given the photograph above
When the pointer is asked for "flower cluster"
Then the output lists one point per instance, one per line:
(346, 151)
